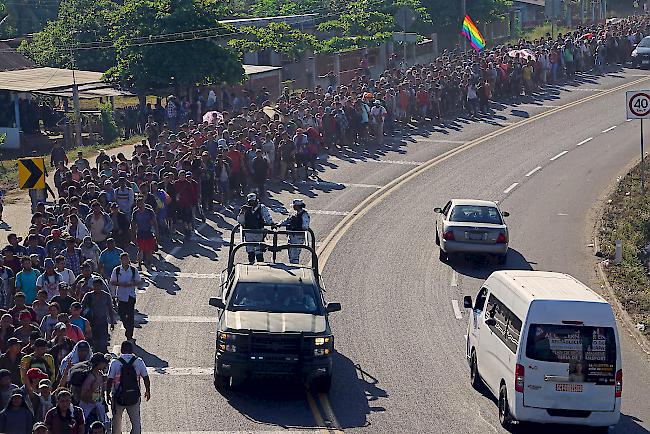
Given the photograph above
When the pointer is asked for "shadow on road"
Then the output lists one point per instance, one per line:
(355, 393)
(480, 267)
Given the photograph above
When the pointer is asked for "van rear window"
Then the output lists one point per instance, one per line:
(589, 351)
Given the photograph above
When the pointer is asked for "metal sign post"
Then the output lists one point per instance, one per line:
(638, 107)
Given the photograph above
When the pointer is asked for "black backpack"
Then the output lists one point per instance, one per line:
(127, 391)
(79, 372)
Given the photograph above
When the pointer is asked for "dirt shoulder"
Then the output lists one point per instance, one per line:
(626, 217)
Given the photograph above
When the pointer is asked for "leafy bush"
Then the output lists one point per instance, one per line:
(110, 131)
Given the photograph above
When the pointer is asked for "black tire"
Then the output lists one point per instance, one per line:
(321, 384)
(443, 256)
(502, 259)
(221, 382)
(474, 375)
(600, 430)
(505, 418)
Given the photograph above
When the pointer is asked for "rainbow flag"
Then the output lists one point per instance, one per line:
(471, 32)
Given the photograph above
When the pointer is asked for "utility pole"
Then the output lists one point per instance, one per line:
(463, 8)
(75, 103)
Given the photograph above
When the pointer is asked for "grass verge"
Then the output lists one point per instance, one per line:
(9, 168)
(539, 32)
(626, 217)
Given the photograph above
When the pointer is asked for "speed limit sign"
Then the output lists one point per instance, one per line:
(638, 104)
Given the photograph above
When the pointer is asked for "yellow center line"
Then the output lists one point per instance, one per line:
(331, 240)
(316, 413)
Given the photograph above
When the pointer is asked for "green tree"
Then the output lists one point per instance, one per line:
(25, 16)
(268, 8)
(171, 42)
(79, 24)
(279, 37)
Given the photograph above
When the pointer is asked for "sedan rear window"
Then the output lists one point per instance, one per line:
(475, 214)
(645, 43)
(589, 351)
(266, 297)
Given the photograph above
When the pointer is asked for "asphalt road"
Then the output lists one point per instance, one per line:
(400, 365)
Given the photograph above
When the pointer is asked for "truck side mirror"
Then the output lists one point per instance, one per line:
(333, 307)
(467, 302)
(217, 302)
(438, 210)
(505, 214)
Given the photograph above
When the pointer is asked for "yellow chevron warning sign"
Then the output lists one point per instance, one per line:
(31, 172)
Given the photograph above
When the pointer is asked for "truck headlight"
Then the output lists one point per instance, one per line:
(319, 342)
(321, 352)
(231, 348)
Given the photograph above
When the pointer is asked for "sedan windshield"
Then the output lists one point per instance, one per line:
(475, 214)
(275, 298)
(645, 43)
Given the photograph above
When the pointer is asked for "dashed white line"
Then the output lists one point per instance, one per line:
(340, 184)
(192, 370)
(457, 313)
(327, 212)
(559, 155)
(454, 278)
(172, 274)
(512, 187)
(609, 129)
(172, 254)
(533, 171)
(585, 141)
(629, 120)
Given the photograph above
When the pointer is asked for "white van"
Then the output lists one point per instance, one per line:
(547, 347)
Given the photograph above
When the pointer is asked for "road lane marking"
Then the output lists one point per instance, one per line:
(534, 171)
(176, 274)
(328, 212)
(457, 313)
(559, 155)
(338, 184)
(408, 163)
(512, 187)
(301, 429)
(585, 89)
(454, 278)
(169, 257)
(334, 426)
(609, 129)
(176, 319)
(629, 120)
(194, 371)
(316, 413)
(585, 141)
(454, 142)
(335, 235)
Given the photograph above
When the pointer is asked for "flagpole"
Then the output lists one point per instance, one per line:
(464, 12)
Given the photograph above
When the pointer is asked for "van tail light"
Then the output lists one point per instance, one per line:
(519, 378)
(619, 383)
(502, 239)
(449, 235)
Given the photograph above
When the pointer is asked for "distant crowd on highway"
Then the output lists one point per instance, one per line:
(65, 283)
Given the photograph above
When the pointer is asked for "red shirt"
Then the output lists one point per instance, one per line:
(59, 425)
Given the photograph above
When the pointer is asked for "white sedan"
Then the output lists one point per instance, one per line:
(471, 226)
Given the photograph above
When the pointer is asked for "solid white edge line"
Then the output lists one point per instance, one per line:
(457, 313)
(559, 155)
(533, 171)
(454, 278)
(609, 129)
(585, 141)
(512, 187)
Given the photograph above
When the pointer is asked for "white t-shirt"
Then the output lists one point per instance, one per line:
(67, 276)
(377, 114)
(50, 284)
(115, 368)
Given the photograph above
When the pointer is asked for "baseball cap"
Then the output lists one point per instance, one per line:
(40, 343)
(44, 383)
(36, 373)
(60, 326)
(5, 373)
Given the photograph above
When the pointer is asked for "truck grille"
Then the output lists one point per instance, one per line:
(268, 343)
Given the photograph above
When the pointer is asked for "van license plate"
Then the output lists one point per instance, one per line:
(563, 387)
(645, 62)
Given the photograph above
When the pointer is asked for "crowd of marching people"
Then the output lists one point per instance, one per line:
(76, 272)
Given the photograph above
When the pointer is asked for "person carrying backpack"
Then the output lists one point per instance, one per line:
(123, 388)
(126, 279)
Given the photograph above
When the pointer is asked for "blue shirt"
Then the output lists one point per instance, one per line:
(110, 259)
(26, 282)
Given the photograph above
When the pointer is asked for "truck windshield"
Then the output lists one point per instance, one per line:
(589, 351)
(275, 298)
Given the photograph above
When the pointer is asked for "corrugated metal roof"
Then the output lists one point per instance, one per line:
(259, 69)
(39, 79)
(11, 60)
